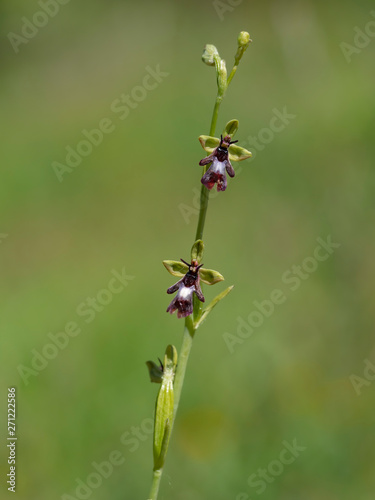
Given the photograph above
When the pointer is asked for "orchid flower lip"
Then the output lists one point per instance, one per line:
(185, 291)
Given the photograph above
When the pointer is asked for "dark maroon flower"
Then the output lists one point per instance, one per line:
(189, 284)
(220, 164)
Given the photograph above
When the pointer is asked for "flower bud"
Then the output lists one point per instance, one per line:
(221, 71)
(243, 41)
(210, 52)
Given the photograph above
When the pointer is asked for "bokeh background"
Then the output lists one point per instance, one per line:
(292, 379)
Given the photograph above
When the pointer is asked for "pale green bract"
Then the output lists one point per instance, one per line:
(164, 408)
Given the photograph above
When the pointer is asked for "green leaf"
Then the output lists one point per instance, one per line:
(209, 143)
(236, 153)
(197, 251)
(231, 128)
(175, 267)
(210, 276)
(212, 304)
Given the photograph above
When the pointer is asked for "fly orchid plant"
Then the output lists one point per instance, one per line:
(189, 300)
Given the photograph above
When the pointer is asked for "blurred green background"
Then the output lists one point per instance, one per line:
(121, 208)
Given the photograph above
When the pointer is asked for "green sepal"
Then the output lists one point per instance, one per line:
(179, 269)
(197, 251)
(155, 371)
(175, 267)
(236, 153)
(210, 276)
(164, 408)
(231, 128)
(211, 305)
(209, 143)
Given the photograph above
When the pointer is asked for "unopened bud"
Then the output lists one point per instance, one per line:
(243, 39)
(243, 43)
(221, 71)
(210, 52)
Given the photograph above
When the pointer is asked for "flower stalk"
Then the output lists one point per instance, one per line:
(189, 299)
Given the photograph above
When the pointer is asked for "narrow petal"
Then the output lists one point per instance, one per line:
(174, 287)
(229, 169)
(206, 160)
(198, 291)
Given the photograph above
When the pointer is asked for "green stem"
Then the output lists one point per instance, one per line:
(215, 114)
(232, 73)
(187, 341)
(155, 484)
(183, 357)
(205, 196)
